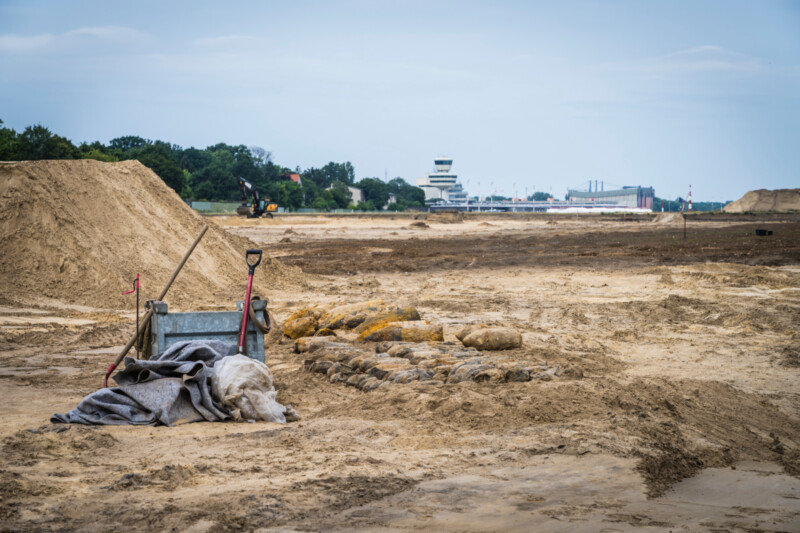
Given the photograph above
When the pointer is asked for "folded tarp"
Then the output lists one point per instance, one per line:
(172, 388)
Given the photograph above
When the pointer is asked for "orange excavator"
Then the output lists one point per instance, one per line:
(256, 207)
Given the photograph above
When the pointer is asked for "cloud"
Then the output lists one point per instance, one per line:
(226, 41)
(17, 43)
(70, 40)
(699, 59)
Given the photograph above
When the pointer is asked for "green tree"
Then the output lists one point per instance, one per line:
(289, 194)
(332, 172)
(321, 204)
(408, 195)
(218, 173)
(375, 191)
(310, 192)
(128, 143)
(540, 196)
(203, 190)
(8, 144)
(341, 194)
(366, 206)
(98, 155)
(157, 159)
(37, 142)
(193, 159)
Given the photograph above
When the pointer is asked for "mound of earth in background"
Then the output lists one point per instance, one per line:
(668, 218)
(79, 231)
(446, 217)
(781, 200)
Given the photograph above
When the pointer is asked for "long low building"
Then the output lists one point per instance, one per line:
(634, 197)
(552, 207)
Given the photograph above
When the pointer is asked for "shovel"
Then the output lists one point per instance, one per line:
(246, 308)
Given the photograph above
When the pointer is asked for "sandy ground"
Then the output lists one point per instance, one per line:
(685, 417)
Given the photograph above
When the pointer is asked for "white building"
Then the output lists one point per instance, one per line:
(457, 195)
(357, 195)
(435, 184)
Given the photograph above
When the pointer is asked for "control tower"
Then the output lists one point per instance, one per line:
(436, 183)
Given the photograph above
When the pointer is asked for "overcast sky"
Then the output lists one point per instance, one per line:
(522, 95)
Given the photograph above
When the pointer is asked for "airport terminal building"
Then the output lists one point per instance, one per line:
(436, 184)
(635, 196)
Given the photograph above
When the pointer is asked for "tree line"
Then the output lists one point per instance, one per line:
(211, 173)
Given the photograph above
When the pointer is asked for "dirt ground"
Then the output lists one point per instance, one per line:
(685, 415)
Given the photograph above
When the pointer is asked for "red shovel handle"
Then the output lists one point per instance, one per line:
(246, 307)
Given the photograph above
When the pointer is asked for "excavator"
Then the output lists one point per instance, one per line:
(257, 207)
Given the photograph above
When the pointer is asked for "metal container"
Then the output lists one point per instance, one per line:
(168, 328)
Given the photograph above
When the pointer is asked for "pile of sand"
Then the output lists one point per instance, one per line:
(780, 200)
(446, 217)
(668, 218)
(79, 231)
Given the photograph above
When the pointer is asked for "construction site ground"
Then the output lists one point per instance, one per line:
(685, 415)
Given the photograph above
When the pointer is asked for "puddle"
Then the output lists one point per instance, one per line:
(587, 494)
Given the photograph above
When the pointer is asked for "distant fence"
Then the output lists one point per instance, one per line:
(215, 207)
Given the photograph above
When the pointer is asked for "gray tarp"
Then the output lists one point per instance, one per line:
(172, 388)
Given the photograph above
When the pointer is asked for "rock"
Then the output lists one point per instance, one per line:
(469, 328)
(570, 371)
(350, 316)
(363, 361)
(466, 371)
(337, 368)
(300, 327)
(415, 331)
(493, 375)
(418, 357)
(493, 339)
(341, 377)
(321, 366)
(316, 311)
(371, 384)
(386, 346)
(378, 372)
(518, 374)
(380, 319)
(325, 332)
(356, 380)
(407, 376)
(400, 350)
(312, 344)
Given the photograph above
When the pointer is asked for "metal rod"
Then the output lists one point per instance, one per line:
(137, 315)
(150, 311)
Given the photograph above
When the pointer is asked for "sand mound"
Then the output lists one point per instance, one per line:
(79, 231)
(781, 200)
(668, 218)
(446, 217)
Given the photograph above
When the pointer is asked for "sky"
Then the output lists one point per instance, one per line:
(524, 96)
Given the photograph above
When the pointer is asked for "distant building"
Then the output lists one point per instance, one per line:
(291, 176)
(357, 195)
(435, 184)
(632, 196)
(457, 194)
